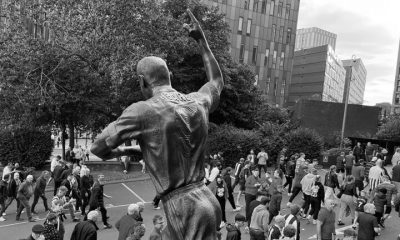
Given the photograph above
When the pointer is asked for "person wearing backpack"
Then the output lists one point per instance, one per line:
(244, 174)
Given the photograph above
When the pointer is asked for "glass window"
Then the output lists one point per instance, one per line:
(397, 99)
(271, 10)
(274, 59)
(248, 30)
(246, 4)
(281, 34)
(287, 15)
(398, 83)
(282, 59)
(240, 27)
(276, 85)
(255, 6)
(266, 57)
(273, 32)
(398, 89)
(267, 84)
(241, 54)
(280, 7)
(289, 36)
(254, 59)
(264, 6)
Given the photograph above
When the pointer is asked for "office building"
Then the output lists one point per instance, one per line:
(396, 91)
(263, 34)
(318, 74)
(356, 76)
(314, 37)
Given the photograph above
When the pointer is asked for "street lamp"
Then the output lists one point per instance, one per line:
(346, 101)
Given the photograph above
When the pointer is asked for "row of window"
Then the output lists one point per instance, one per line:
(266, 58)
(275, 86)
(261, 6)
(274, 36)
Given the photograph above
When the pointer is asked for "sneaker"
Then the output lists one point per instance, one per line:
(23, 211)
(32, 220)
(340, 223)
(289, 194)
(237, 209)
(125, 171)
(2, 219)
(382, 224)
(4, 214)
(288, 204)
(156, 207)
(314, 221)
(107, 226)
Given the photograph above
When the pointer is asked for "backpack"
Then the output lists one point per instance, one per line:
(328, 178)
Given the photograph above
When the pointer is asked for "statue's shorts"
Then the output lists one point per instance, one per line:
(192, 213)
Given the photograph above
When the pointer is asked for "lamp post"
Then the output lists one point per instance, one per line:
(346, 101)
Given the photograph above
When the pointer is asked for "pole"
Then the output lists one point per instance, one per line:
(346, 103)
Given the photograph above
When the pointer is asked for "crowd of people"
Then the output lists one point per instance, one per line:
(358, 186)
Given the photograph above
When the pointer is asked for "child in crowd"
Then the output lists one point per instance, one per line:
(380, 202)
(361, 201)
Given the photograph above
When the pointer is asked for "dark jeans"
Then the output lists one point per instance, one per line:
(296, 190)
(248, 198)
(306, 204)
(348, 170)
(262, 166)
(10, 200)
(236, 182)
(315, 207)
(3, 207)
(85, 201)
(222, 202)
(103, 212)
(256, 234)
(289, 181)
(57, 184)
(231, 200)
(24, 203)
(36, 200)
(378, 216)
(156, 200)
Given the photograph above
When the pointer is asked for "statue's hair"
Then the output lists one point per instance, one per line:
(155, 70)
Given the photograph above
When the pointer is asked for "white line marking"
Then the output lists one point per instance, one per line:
(130, 190)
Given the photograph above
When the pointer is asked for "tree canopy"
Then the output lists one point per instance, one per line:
(85, 74)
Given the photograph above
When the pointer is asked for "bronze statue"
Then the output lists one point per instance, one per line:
(171, 129)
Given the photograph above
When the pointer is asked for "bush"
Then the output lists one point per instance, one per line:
(304, 140)
(29, 147)
(234, 142)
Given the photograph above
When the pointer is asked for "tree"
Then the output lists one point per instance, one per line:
(390, 130)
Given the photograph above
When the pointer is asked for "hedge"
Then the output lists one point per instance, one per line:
(304, 140)
(29, 147)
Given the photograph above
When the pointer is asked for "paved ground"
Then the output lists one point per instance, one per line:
(125, 193)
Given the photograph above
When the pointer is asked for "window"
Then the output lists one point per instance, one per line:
(271, 10)
(280, 8)
(276, 85)
(281, 34)
(248, 30)
(255, 6)
(267, 84)
(282, 59)
(264, 6)
(398, 89)
(246, 4)
(241, 54)
(254, 59)
(397, 99)
(273, 32)
(398, 83)
(266, 57)
(240, 27)
(287, 15)
(274, 59)
(289, 36)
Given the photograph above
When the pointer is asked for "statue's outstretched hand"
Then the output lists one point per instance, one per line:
(194, 27)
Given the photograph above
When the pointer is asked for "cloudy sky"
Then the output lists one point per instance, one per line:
(366, 28)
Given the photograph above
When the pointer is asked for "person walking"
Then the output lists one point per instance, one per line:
(367, 220)
(275, 231)
(259, 221)
(3, 196)
(13, 186)
(358, 152)
(25, 191)
(290, 173)
(226, 174)
(291, 219)
(86, 230)
(244, 174)
(39, 191)
(349, 194)
(340, 160)
(252, 185)
(326, 221)
(302, 171)
(85, 185)
(252, 158)
(238, 168)
(358, 172)
(125, 224)
(369, 152)
(349, 160)
(331, 182)
(57, 175)
(317, 198)
(220, 191)
(275, 203)
(262, 158)
(375, 175)
(391, 192)
(97, 200)
(306, 186)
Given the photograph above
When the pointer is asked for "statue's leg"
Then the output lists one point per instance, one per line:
(192, 214)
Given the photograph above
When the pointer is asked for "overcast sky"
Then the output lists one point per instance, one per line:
(366, 28)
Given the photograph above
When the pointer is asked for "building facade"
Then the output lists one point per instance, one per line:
(356, 77)
(318, 74)
(314, 37)
(263, 34)
(396, 91)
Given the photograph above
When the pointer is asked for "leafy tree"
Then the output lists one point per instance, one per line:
(390, 130)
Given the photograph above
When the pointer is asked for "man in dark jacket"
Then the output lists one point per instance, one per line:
(58, 170)
(86, 230)
(39, 191)
(25, 191)
(227, 178)
(126, 224)
(97, 200)
(3, 196)
(233, 230)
